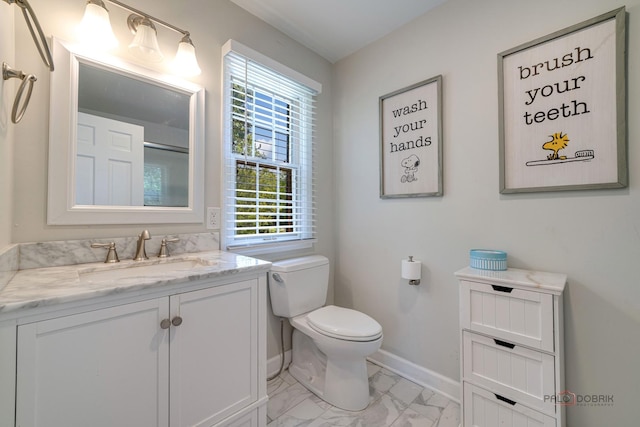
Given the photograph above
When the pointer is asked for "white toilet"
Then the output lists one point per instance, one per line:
(330, 344)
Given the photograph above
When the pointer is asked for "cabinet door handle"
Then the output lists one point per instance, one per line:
(165, 323)
(501, 288)
(176, 321)
(504, 399)
(504, 343)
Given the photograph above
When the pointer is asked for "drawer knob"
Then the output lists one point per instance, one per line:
(176, 321)
(504, 399)
(165, 323)
(502, 288)
(504, 343)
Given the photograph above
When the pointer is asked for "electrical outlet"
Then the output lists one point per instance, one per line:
(213, 218)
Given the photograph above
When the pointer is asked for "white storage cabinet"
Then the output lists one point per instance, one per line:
(512, 364)
(194, 358)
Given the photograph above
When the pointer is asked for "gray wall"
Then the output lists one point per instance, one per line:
(7, 93)
(592, 236)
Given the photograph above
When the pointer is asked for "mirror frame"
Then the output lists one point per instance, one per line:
(63, 109)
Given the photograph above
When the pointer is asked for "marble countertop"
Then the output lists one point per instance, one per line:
(56, 285)
(551, 282)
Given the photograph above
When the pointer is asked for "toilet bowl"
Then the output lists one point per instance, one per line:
(330, 344)
(330, 365)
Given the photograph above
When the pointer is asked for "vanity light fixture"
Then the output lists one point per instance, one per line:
(145, 42)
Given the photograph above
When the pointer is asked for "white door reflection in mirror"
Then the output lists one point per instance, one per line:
(110, 162)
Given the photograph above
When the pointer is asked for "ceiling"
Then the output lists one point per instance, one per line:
(336, 28)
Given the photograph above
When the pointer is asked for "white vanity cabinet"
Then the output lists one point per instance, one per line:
(104, 367)
(192, 358)
(512, 367)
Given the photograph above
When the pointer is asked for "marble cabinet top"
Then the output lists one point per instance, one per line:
(540, 280)
(56, 285)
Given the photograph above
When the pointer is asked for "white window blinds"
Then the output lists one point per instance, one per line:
(268, 152)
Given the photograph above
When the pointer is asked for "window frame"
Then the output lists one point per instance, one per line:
(299, 156)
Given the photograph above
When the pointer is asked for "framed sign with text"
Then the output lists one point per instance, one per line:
(562, 109)
(411, 141)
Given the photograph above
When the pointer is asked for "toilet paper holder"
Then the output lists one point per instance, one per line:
(411, 270)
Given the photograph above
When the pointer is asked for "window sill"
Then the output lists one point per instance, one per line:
(269, 248)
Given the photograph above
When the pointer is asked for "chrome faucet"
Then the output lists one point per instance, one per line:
(141, 253)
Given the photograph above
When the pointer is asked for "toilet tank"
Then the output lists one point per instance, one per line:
(298, 285)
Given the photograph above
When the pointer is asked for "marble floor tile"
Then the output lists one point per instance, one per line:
(383, 380)
(336, 417)
(276, 385)
(321, 403)
(410, 418)
(429, 404)
(431, 412)
(381, 413)
(286, 399)
(438, 400)
(372, 368)
(288, 378)
(303, 414)
(405, 391)
(373, 393)
(450, 416)
(394, 402)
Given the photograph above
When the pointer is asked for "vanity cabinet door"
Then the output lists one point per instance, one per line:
(103, 368)
(214, 353)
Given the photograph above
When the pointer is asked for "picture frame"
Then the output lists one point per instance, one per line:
(411, 141)
(562, 109)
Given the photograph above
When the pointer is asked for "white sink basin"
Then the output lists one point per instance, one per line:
(146, 270)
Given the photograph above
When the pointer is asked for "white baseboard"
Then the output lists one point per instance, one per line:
(273, 364)
(418, 374)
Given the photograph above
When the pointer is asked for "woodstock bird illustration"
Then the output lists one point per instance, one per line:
(557, 143)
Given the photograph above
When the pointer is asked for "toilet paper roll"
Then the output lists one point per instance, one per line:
(411, 269)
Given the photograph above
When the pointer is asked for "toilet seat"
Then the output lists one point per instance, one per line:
(344, 324)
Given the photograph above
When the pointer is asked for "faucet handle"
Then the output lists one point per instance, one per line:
(141, 252)
(112, 255)
(164, 252)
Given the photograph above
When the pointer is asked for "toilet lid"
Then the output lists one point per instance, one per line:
(344, 323)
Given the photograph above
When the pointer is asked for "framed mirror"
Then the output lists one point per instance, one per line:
(126, 144)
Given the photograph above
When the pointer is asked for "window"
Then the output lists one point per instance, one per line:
(154, 184)
(268, 153)
(166, 175)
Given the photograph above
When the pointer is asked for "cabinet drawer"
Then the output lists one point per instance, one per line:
(515, 315)
(486, 409)
(519, 373)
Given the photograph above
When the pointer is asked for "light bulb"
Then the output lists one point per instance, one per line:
(95, 27)
(185, 63)
(145, 43)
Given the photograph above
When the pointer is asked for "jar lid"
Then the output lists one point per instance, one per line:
(488, 254)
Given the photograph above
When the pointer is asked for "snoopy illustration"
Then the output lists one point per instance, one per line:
(410, 165)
